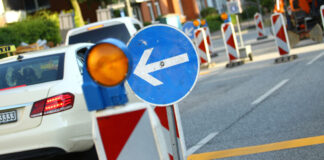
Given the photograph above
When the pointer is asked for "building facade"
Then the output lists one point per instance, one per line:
(219, 5)
(144, 10)
(150, 10)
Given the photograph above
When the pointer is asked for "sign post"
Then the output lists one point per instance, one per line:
(234, 7)
(165, 70)
(172, 131)
(245, 51)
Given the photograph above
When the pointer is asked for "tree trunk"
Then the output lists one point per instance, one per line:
(77, 13)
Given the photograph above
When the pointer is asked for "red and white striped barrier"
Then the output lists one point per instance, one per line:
(259, 25)
(131, 132)
(203, 44)
(161, 112)
(230, 41)
(208, 34)
(322, 14)
(280, 32)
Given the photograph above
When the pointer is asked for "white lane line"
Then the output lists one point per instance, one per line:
(314, 59)
(201, 143)
(267, 94)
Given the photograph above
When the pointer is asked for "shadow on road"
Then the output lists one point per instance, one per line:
(87, 155)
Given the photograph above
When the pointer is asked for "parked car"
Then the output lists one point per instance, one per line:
(42, 109)
(120, 28)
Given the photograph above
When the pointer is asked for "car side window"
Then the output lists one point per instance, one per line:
(137, 26)
(81, 58)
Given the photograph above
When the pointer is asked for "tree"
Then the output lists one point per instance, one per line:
(265, 4)
(77, 13)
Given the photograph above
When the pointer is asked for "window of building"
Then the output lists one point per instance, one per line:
(138, 13)
(149, 5)
(35, 5)
(201, 4)
(157, 6)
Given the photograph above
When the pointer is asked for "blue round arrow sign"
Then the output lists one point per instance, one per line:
(165, 65)
(189, 28)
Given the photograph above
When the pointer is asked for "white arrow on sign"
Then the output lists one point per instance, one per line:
(142, 69)
(188, 31)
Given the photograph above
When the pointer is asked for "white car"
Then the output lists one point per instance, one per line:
(42, 108)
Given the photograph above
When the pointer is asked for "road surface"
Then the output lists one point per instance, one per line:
(257, 104)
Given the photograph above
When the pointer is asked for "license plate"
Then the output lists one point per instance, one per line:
(7, 117)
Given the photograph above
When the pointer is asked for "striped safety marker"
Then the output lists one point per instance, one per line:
(322, 14)
(200, 44)
(280, 33)
(131, 132)
(208, 34)
(259, 24)
(230, 41)
(161, 112)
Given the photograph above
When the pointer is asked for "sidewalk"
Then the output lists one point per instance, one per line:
(249, 37)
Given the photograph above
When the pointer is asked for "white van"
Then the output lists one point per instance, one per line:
(120, 28)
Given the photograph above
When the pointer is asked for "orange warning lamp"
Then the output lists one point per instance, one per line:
(224, 16)
(107, 64)
(203, 22)
(196, 23)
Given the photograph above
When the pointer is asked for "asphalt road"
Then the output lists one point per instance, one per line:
(259, 103)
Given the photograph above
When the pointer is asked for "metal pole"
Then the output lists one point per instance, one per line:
(259, 6)
(129, 9)
(173, 132)
(239, 30)
(182, 144)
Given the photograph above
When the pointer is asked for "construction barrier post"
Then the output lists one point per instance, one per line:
(129, 132)
(281, 36)
(259, 26)
(231, 47)
(322, 14)
(203, 44)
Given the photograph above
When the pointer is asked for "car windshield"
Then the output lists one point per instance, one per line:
(118, 31)
(31, 71)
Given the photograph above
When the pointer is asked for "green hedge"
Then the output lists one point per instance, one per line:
(30, 31)
(208, 12)
(212, 17)
(214, 22)
(248, 13)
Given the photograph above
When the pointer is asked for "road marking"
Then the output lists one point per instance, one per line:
(314, 59)
(296, 143)
(201, 143)
(204, 73)
(267, 94)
